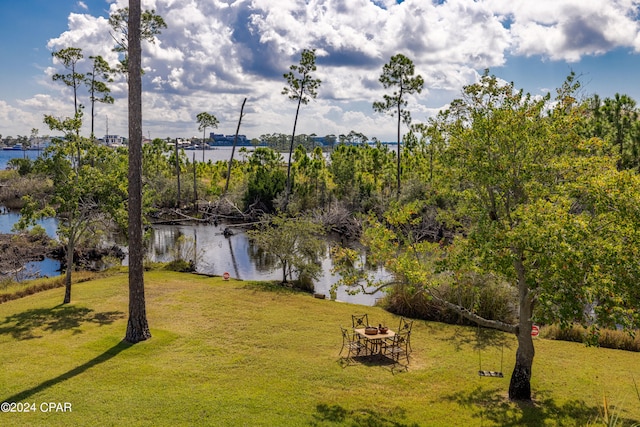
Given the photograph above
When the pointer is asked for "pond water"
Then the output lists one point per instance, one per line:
(236, 255)
(219, 153)
(9, 218)
(214, 253)
(6, 155)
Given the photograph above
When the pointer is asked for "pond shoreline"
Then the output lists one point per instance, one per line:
(17, 250)
(218, 247)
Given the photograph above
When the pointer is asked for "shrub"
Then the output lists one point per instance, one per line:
(181, 266)
(619, 340)
(8, 174)
(16, 187)
(295, 242)
(23, 166)
(38, 234)
(5, 282)
(606, 338)
(573, 333)
(485, 296)
(23, 289)
(304, 283)
(39, 286)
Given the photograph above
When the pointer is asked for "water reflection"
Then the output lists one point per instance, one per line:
(217, 254)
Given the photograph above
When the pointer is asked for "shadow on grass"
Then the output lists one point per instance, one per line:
(481, 339)
(376, 360)
(25, 325)
(109, 354)
(335, 414)
(491, 405)
(273, 287)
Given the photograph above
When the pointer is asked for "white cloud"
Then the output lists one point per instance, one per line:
(570, 29)
(216, 52)
(27, 111)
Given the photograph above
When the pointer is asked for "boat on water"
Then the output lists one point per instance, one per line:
(17, 147)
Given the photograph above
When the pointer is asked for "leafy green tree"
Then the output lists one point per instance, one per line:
(69, 57)
(376, 170)
(398, 74)
(362, 175)
(312, 181)
(294, 242)
(622, 117)
(206, 120)
(265, 179)
(498, 148)
(535, 205)
(73, 79)
(155, 159)
(85, 198)
(301, 86)
(157, 173)
(276, 141)
(96, 81)
(594, 125)
(343, 167)
(354, 137)
(533, 192)
(424, 146)
(330, 140)
(615, 120)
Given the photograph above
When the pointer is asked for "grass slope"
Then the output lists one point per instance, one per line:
(241, 354)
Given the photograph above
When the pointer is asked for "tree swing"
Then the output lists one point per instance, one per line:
(483, 373)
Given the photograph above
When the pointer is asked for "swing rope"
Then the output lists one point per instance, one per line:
(482, 373)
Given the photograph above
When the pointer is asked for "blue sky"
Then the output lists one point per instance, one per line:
(25, 28)
(216, 52)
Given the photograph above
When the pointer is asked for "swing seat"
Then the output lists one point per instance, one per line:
(495, 374)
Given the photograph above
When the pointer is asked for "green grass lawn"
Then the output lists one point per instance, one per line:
(241, 354)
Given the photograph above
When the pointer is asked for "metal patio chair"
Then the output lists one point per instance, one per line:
(351, 344)
(360, 320)
(398, 347)
(405, 326)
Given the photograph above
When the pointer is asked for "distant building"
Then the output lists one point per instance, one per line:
(113, 140)
(319, 140)
(221, 139)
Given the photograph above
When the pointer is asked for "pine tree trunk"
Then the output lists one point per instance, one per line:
(293, 135)
(195, 184)
(398, 171)
(233, 149)
(178, 174)
(137, 327)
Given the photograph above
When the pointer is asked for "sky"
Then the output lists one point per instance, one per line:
(215, 53)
